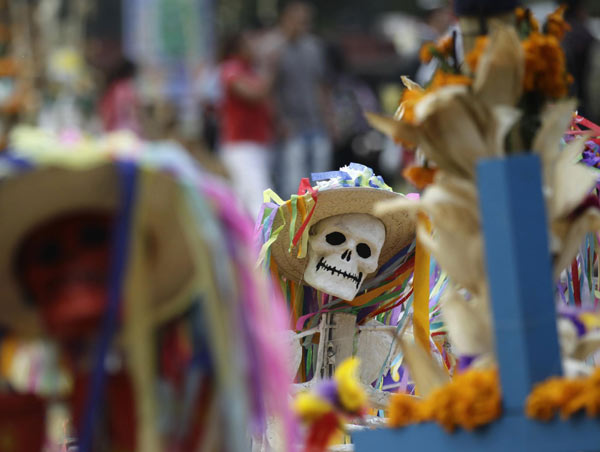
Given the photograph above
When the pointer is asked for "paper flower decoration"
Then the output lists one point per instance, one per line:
(329, 402)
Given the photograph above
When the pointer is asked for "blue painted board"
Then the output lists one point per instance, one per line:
(509, 434)
(519, 274)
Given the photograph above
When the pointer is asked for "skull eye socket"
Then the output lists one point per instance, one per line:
(49, 253)
(363, 250)
(93, 235)
(335, 238)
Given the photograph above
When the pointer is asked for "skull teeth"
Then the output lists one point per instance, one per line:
(336, 271)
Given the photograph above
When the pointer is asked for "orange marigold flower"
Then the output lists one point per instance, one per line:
(419, 176)
(568, 396)
(441, 406)
(523, 14)
(471, 400)
(404, 410)
(556, 24)
(572, 398)
(472, 58)
(545, 68)
(520, 13)
(445, 45)
(442, 78)
(538, 407)
(406, 109)
(426, 54)
(480, 400)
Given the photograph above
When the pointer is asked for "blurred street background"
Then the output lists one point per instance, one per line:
(262, 91)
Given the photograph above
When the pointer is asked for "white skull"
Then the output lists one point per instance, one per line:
(342, 251)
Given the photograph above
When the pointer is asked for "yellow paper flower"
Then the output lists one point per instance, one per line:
(310, 407)
(352, 395)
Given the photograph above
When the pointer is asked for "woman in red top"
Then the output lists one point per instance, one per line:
(246, 123)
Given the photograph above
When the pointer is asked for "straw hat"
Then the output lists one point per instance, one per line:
(335, 198)
(29, 198)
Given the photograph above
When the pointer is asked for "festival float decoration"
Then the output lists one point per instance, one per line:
(523, 214)
(139, 266)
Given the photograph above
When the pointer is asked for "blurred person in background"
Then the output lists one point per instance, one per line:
(246, 124)
(119, 105)
(302, 100)
(351, 98)
(580, 46)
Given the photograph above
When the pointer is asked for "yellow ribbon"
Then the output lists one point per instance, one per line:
(421, 288)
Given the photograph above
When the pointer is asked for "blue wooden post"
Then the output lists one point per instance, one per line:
(519, 274)
(520, 279)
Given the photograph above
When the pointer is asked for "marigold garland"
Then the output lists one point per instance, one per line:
(556, 24)
(545, 64)
(470, 400)
(565, 396)
(419, 176)
(444, 47)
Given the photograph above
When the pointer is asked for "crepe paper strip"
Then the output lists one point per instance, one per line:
(394, 305)
(570, 288)
(302, 212)
(302, 320)
(589, 246)
(586, 123)
(363, 299)
(293, 210)
(139, 332)
(265, 249)
(576, 282)
(305, 185)
(270, 196)
(118, 265)
(421, 288)
(401, 325)
(326, 175)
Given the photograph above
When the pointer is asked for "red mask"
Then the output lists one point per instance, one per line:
(63, 268)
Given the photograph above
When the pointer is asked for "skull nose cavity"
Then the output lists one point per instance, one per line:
(347, 255)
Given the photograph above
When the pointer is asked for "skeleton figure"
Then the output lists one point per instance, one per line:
(343, 251)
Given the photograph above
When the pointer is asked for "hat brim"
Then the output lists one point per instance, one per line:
(399, 225)
(32, 197)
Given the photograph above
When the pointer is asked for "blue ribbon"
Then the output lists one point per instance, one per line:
(118, 267)
(330, 175)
